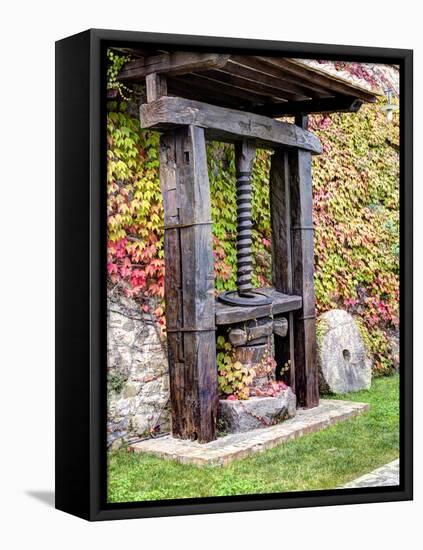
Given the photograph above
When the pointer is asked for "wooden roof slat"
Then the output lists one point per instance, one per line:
(218, 87)
(270, 62)
(272, 73)
(174, 63)
(257, 86)
(335, 77)
(327, 81)
(194, 90)
(260, 82)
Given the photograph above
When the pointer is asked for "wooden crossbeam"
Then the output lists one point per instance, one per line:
(226, 124)
(174, 63)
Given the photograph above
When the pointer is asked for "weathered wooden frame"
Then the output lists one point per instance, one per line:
(189, 287)
(81, 467)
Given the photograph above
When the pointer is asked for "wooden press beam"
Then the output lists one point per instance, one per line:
(189, 284)
(226, 124)
(174, 63)
(281, 304)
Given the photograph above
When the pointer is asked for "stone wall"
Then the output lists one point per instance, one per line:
(137, 373)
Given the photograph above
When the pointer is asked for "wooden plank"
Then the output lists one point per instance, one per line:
(225, 124)
(235, 77)
(280, 214)
(281, 303)
(312, 75)
(156, 86)
(306, 372)
(213, 85)
(192, 89)
(302, 121)
(303, 341)
(173, 63)
(293, 265)
(335, 78)
(249, 67)
(302, 86)
(189, 285)
(173, 277)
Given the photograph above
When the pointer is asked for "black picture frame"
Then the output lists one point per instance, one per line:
(81, 289)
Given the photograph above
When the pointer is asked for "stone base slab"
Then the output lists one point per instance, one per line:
(385, 476)
(257, 412)
(240, 445)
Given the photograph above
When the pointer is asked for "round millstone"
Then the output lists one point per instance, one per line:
(344, 361)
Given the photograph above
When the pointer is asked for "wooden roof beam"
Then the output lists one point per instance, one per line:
(224, 124)
(270, 74)
(174, 63)
(327, 81)
(211, 85)
(194, 90)
(258, 85)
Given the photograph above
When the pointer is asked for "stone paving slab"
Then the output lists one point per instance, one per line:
(240, 445)
(385, 476)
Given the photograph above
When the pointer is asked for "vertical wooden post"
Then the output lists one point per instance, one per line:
(293, 265)
(156, 86)
(306, 373)
(280, 213)
(189, 284)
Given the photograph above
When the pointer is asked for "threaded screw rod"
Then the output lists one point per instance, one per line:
(244, 158)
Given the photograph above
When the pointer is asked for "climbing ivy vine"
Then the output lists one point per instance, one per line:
(356, 214)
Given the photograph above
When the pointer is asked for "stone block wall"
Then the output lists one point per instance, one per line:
(137, 373)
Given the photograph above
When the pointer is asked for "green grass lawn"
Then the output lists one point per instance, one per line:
(323, 460)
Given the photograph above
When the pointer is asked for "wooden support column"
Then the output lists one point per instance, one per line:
(189, 284)
(302, 250)
(293, 266)
(280, 212)
(156, 86)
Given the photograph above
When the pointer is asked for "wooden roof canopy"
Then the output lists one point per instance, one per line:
(271, 86)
